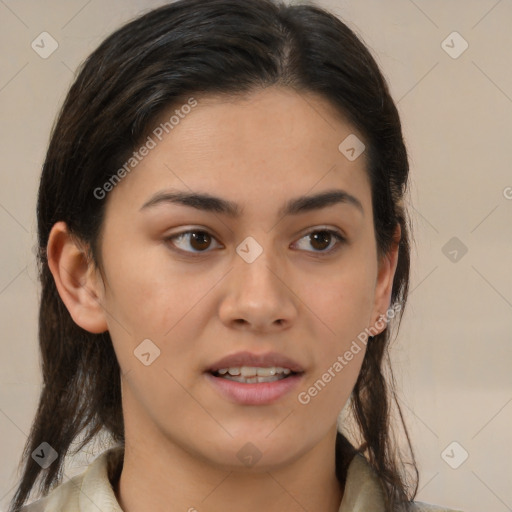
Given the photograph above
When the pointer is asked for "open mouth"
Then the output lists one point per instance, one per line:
(254, 375)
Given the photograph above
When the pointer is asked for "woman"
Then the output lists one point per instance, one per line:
(223, 241)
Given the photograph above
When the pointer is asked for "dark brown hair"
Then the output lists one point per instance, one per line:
(228, 47)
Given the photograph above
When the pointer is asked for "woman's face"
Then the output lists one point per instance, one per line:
(256, 283)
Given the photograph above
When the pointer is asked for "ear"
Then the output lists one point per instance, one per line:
(384, 285)
(77, 279)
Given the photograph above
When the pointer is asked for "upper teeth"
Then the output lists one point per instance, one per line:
(249, 371)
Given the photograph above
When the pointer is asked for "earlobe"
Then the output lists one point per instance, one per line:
(76, 279)
(386, 274)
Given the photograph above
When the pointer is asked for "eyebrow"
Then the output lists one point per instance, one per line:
(209, 203)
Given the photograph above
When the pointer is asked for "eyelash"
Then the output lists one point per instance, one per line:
(340, 239)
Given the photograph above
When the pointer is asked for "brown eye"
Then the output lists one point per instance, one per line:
(200, 240)
(197, 240)
(321, 239)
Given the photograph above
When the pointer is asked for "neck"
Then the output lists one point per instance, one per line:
(172, 479)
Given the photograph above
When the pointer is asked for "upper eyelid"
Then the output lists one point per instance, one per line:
(196, 230)
(334, 231)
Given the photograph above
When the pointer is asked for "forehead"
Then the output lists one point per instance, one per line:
(262, 147)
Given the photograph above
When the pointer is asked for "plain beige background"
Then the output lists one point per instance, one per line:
(453, 354)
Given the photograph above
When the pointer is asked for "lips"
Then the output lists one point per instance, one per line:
(267, 360)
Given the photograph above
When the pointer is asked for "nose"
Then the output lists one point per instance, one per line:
(257, 298)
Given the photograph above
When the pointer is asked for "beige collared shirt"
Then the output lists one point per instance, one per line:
(92, 491)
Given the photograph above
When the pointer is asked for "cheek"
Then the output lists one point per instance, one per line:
(155, 301)
(327, 391)
(340, 302)
(148, 292)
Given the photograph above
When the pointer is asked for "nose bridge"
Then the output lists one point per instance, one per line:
(256, 267)
(256, 292)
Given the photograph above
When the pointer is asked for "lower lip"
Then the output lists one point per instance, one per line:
(261, 393)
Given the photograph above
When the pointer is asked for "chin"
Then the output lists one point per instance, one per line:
(253, 452)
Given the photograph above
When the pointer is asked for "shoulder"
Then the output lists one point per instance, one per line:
(36, 506)
(65, 494)
(86, 491)
(418, 506)
(364, 491)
